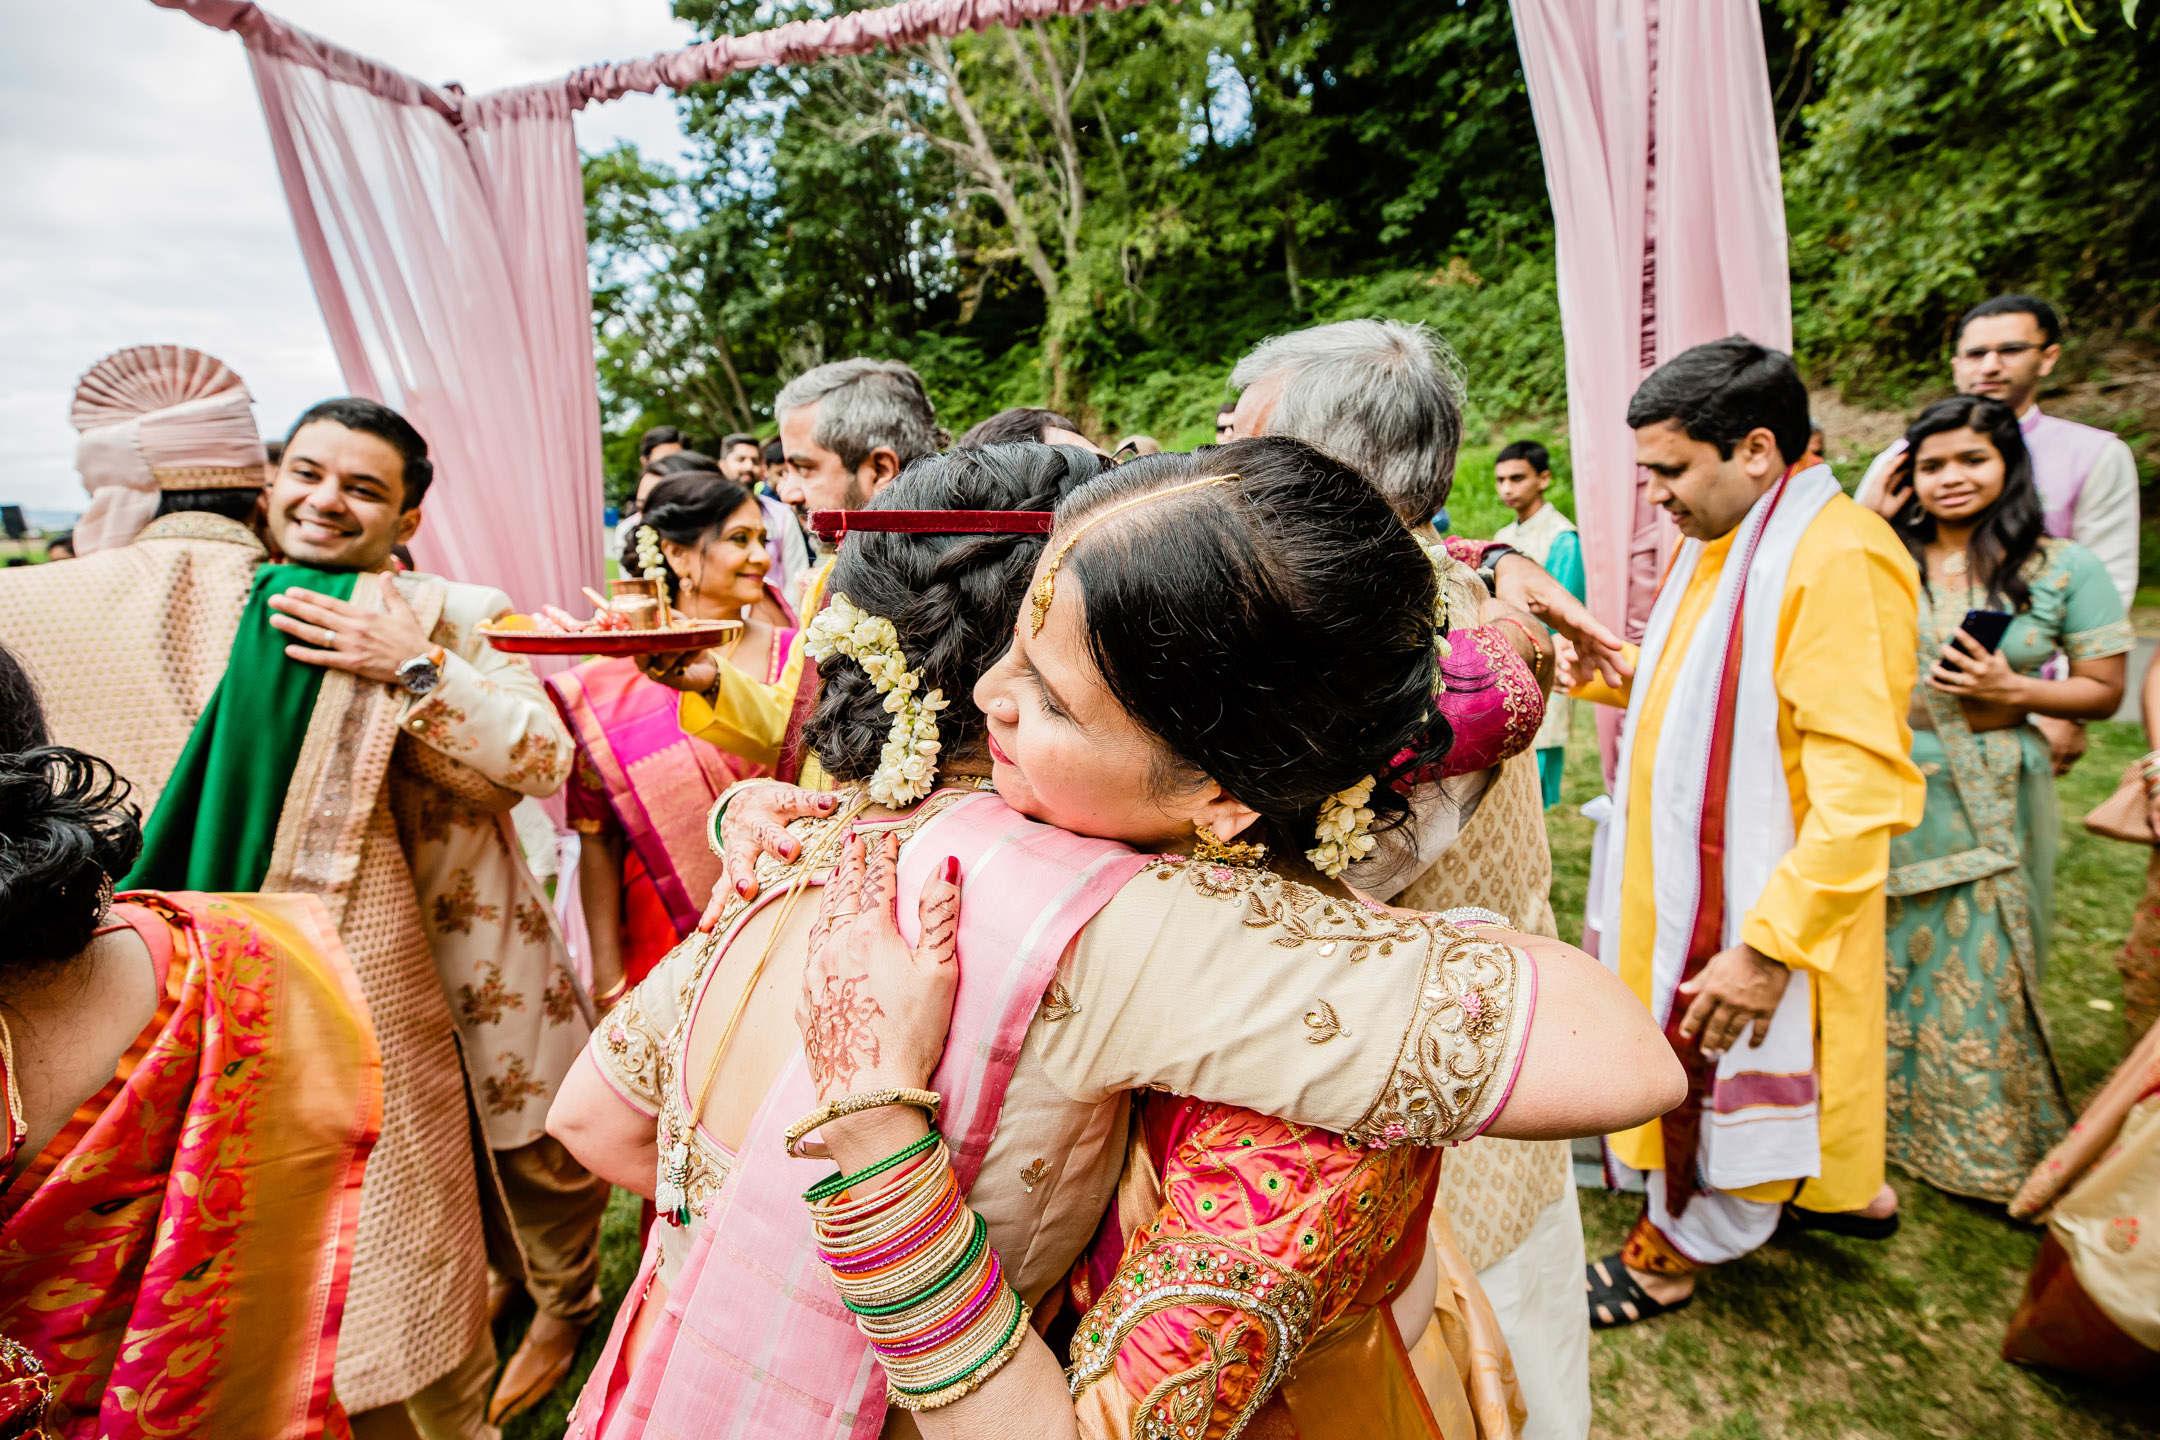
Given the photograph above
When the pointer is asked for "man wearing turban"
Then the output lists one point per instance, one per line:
(128, 642)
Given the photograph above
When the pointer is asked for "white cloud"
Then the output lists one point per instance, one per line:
(143, 205)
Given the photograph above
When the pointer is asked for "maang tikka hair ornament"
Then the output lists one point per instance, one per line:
(1046, 588)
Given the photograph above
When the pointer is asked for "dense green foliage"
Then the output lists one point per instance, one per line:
(1104, 212)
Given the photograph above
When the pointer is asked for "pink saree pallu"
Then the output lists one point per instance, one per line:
(182, 1271)
(660, 783)
(754, 1341)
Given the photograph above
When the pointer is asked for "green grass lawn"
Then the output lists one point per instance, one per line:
(1830, 1338)
(1844, 1339)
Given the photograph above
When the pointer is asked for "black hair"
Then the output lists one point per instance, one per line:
(1540, 461)
(234, 502)
(65, 829)
(775, 454)
(372, 417)
(54, 542)
(22, 712)
(1721, 391)
(1274, 632)
(1016, 426)
(2043, 314)
(654, 438)
(951, 598)
(684, 507)
(274, 452)
(2008, 533)
(683, 462)
(729, 442)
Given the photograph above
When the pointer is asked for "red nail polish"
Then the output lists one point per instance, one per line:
(952, 870)
(742, 888)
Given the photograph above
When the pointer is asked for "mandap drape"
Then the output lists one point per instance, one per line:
(1661, 157)
(445, 238)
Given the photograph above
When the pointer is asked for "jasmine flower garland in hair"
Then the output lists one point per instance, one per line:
(908, 763)
(1344, 818)
(654, 564)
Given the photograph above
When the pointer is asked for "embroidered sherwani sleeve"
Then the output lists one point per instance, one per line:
(1231, 983)
(490, 713)
(1847, 654)
(1265, 1232)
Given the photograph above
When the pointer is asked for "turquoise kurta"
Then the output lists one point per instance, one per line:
(1974, 1099)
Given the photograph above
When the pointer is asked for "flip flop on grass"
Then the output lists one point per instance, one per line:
(1616, 1300)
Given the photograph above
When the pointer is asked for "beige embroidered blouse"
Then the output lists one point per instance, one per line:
(1197, 979)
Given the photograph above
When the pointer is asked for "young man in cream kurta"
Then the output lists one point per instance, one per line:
(1713, 428)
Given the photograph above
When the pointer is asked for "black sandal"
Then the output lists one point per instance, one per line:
(1839, 1222)
(1616, 1300)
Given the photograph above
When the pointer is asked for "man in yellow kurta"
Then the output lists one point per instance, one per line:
(1763, 769)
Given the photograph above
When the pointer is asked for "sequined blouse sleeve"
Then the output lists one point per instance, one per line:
(1233, 984)
(1265, 1232)
(632, 1043)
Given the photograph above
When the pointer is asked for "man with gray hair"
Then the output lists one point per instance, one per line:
(847, 428)
(1386, 398)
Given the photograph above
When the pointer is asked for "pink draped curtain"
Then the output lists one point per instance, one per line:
(445, 238)
(1660, 151)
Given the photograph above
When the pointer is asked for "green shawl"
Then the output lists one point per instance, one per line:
(216, 824)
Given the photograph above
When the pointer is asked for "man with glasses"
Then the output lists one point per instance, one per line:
(2087, 478)
(2088, 481)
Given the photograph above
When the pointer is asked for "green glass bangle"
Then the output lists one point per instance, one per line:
(1019, 1314)
(833, 1185)
(974, 1253)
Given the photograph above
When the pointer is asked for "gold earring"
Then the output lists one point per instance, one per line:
(1208, 849)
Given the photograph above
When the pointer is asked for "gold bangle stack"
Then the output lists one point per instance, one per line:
(914, 1265)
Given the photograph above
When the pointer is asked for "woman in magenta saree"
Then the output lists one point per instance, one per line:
(175, 1252)
(642, 788)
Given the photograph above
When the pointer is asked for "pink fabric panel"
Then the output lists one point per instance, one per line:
(1720, 220)
(1586, 67)
(1661, 159)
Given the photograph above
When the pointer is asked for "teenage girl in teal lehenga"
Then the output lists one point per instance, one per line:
(1974, 1099)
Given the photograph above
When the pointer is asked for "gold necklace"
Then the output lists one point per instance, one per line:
(1955, 564)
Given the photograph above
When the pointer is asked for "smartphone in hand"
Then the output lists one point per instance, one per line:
(1986, 627)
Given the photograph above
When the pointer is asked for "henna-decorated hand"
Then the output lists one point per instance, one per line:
(756, 824)
(874, 1014)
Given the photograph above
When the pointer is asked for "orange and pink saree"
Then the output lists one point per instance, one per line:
(178, 1257)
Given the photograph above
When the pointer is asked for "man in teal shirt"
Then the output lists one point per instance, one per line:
(1523, 473)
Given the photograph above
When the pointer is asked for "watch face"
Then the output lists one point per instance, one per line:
(419, 676)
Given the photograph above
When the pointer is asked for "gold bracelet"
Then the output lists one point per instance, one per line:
(609, 998)
(925, 1100)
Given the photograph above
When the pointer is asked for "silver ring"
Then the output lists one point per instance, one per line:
(329, 636)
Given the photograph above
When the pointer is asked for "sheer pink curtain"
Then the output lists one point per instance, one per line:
(445, 242)
(445, 238)
(1661, 158)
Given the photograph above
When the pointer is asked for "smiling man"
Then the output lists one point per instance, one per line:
(1747, 909)
(364, 744)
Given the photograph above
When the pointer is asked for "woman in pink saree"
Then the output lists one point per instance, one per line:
(1091, 968)
(192, 1088)
(642, 789)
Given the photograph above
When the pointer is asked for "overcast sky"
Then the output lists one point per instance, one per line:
(142, 206)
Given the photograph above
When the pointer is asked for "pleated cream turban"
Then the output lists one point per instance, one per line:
(152, 418)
